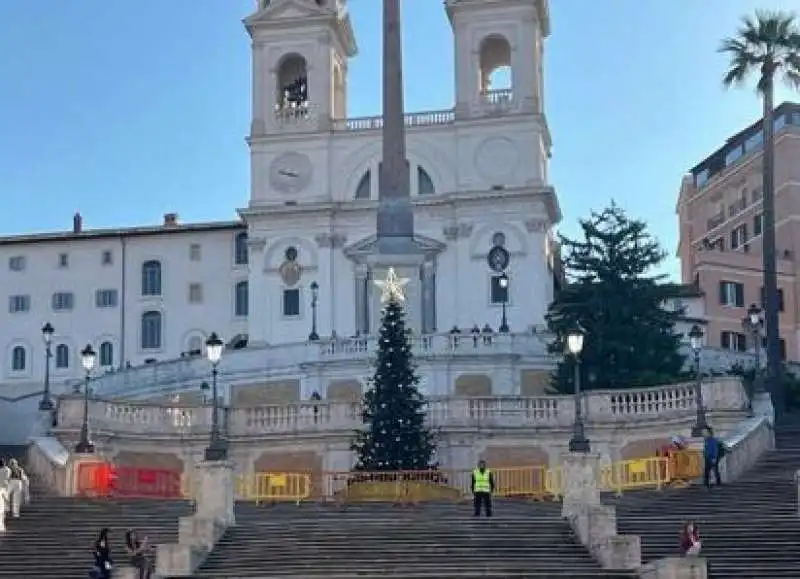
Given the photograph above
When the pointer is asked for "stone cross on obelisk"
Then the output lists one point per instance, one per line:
(396, 246)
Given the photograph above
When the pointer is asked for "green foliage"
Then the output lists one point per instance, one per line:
(394, 436)
(611, 294)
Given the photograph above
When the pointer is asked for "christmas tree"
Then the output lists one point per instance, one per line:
(394, 436)
(613, 293)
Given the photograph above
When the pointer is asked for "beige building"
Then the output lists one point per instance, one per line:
(720, 215)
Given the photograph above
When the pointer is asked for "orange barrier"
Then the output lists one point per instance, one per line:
(107, 480)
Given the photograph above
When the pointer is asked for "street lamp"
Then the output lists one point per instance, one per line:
(752, 323)
(314, 336)
(46, 404)
(88, 359)
(503, 281)
(696, 341)
(216, 450)
(578, 442)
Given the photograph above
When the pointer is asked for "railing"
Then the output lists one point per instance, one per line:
(106, 480)
(601, 407)
(375, 123)
(715, 220)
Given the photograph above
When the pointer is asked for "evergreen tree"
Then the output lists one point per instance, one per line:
(394, 436)
(613, 294)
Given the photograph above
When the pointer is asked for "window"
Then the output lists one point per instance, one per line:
(16, 263)
(19, 360)
(63, 301)
(106, 298)
(194, 252)
(241, 252)
(241, 305)
(151, 278)
(731, 294)
(291, 302)
(733, 155)
(19, 304)
(364, 188)
(195, 293)
(782, 348)
(63, 260)
(754, 142)
(733, 341)
(106, 354)
(107, 257)
(756, 195)
(62, 356)
(499, 294)
(764, 299)
(424, 182)
(758, 224)
(151, 331)
(778, 123)
(739, 236)
(701, 178)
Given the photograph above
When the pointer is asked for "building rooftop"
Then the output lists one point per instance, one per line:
(719, 159)
(170, 226)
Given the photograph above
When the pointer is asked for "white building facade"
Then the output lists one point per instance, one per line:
(145, 296)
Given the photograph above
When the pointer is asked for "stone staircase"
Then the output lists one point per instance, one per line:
(378, 540)
(54, 537)
(749, 528)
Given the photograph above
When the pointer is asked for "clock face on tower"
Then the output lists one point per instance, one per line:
(291, 172)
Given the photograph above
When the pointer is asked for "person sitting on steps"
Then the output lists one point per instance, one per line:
(139, 552)
(101, 569)
(690, 540)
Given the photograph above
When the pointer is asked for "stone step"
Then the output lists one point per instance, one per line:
(430, 574)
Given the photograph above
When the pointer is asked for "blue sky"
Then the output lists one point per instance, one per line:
(127, 110)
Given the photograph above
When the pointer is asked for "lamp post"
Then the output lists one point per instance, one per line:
(88, 358)
(696, 341)
(753, 323)
(503, 281)
(314, 336)
(578, 442)
(46, 404)
(217, 449)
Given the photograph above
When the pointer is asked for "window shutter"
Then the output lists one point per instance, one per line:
(763, 298)
(780, 300)
(725, 340)
(722, 292)
(739, 295)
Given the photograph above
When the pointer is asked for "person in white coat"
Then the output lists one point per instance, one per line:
(5, 476)
(16, 487)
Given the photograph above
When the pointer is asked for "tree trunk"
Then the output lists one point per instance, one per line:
(771, 316)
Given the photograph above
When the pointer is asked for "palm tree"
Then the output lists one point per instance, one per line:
(767, 45)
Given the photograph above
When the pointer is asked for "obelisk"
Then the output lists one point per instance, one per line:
(395, 216)
(396, 247)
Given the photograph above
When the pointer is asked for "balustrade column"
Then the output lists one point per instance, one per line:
(362, 300)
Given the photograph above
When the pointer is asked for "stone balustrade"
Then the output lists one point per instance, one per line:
(601, 407)
(255, 363)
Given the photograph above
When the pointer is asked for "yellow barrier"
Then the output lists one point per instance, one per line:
(640, 473)
(273, 487)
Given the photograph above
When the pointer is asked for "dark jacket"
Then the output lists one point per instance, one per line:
(102, 560)
(491, 481)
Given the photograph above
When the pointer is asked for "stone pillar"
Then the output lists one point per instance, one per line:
(428, 297)
(215, 491)
(581, 473)
(361, 303)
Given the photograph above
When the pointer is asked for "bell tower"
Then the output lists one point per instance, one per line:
(300, 52)
(499, 51)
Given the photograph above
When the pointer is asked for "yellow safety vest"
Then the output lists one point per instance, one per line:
(482, 481)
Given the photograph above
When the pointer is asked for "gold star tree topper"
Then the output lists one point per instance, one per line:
(392, 287)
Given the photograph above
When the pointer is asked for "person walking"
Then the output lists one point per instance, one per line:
(713, 451)
(16, 486)
(5, 476)
(482, 489)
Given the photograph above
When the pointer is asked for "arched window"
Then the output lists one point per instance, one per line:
(151, 278)
(292, 97)
(62, 356)
(195, 346)
(495, 69)
(151, 331)
(424, 182)
(241, 256)
(364, 189)
(242, 299)
(19, 359)
(106, 354)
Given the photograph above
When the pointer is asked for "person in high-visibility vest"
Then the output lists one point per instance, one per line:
(482, 489)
